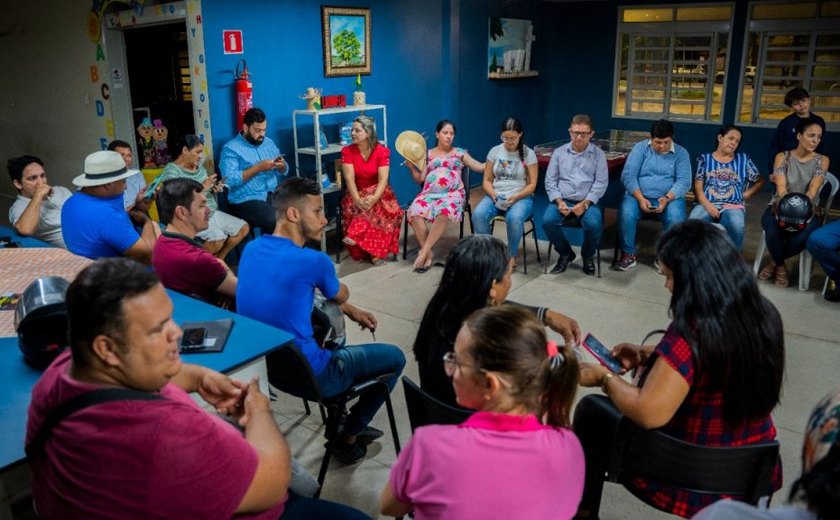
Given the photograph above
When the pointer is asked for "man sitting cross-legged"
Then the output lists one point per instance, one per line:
(278, 276)
(179, 260)
(153, 452)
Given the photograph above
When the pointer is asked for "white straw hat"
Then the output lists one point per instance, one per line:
(412, 146)
(101, 168)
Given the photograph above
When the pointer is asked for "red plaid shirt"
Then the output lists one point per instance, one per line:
(699, 420)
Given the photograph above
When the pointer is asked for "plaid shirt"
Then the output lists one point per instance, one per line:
(699, 420)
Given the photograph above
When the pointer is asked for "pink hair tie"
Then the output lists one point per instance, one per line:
(551, 348)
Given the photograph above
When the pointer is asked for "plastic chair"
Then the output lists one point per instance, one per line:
(290, 372)
(424, 409)
(805, 258)
(573, 221)
(742, 471)
(532, 231)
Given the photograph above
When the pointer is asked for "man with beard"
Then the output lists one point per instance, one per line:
(278, 276)
(252, 165)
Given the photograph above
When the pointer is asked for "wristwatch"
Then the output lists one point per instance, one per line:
(605, 379)
(587, 203)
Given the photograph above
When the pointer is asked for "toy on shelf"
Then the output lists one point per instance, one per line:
(145, 144)
(359, 95)
(313, 98)
(160, 152)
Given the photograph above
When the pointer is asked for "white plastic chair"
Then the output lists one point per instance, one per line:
(805, 258)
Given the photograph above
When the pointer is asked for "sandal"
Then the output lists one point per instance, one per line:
(782, 280)
(348, 241)
(767, 272)
(378, 262)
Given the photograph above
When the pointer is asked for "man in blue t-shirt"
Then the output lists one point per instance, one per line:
(277, 281)
(94, 222)
(657, 175)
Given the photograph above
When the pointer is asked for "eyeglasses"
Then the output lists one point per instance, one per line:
(510, 139)
(814, 137)
(450, 362)
(580, 134)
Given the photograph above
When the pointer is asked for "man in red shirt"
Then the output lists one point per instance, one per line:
(181, 263)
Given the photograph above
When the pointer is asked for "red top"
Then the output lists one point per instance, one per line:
(137, 459)
(367, 172)
(184, 266)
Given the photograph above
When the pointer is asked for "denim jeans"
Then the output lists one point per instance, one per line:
(780, 243)
(824, 246)
(356, 364)
(299, 507)
(732, 221)
(515, 218)
(591, 220)
(629, 214)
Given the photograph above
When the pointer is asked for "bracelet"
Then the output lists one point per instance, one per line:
(605, 379)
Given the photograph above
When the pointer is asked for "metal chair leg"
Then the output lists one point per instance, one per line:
(306, 407)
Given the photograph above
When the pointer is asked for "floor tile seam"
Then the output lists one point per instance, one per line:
(599, 291)
(809, 337)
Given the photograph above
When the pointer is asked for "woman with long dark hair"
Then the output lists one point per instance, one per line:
(477, 274)
(515, 457)
(510, 178)
(712, 380)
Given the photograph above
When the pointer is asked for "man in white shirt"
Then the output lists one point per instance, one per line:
(36, 211)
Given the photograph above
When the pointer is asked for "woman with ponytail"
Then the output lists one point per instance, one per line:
(516, 456)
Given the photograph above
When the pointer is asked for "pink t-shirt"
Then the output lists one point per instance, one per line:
(137, 459)
(491, 466)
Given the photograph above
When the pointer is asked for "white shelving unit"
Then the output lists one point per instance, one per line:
(318, 153)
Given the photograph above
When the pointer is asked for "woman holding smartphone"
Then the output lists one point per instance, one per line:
(712, 380)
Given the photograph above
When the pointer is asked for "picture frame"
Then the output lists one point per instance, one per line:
(345, 36)
(509, 48)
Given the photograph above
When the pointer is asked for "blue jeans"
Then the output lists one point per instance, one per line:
(732, 221)
(315, 509)
(780, 243)
(629, 214)
(515, 218)
(591, 220)
(356, 364)
(824, 246)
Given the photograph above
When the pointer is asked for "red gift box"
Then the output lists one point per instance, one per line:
(337, 100)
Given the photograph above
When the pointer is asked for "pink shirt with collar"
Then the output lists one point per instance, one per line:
(491, 466)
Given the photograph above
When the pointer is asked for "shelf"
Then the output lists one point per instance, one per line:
(340, 110)
(331, 189)
(311, 150)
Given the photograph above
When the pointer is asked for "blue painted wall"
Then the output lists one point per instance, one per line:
(429, 62)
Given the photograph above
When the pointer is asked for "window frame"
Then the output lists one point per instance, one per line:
(673, 29)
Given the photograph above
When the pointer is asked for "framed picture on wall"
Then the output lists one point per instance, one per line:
(509, 49)
(345, 33)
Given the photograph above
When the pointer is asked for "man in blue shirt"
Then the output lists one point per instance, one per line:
(94, 222)
(575, 181)
(252, 165)
(657, 175)
(277, 281)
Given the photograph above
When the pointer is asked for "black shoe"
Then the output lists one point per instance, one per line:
(563, 262)
(589, 266)
(833, 296)
(368, 435)
(349, 453)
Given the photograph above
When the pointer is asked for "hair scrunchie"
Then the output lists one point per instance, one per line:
(555, 357)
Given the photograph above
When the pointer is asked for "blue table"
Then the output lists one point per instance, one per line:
(24, 241)
(249, 340)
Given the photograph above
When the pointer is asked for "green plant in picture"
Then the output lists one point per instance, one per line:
(346, 47)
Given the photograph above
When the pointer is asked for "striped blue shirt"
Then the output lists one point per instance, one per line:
(724, 183)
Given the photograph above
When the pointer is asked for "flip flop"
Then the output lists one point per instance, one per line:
(422, 269)
(379, 262)
(348, 241)
(767, 272)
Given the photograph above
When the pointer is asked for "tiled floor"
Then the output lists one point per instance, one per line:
(617, 307)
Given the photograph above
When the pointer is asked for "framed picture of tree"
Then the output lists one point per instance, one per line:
(346, 40)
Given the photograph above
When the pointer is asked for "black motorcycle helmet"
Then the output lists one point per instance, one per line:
(793, 212)
(41, 320)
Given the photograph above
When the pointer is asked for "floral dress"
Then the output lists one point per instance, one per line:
(443, 189)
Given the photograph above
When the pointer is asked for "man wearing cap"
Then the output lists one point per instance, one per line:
(37, 209)
(94, 221)
(182, 263)
(252, 165)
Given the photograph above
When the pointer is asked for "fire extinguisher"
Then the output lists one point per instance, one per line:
(244, 93)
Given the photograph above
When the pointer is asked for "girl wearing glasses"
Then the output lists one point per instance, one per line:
(510, 178)
(801, 170)
(515, 457)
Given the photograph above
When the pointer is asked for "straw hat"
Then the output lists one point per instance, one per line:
(412, 146)
(101, 168)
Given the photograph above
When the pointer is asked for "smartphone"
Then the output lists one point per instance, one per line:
(193, 339)
(601, 353)
(653, 205)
